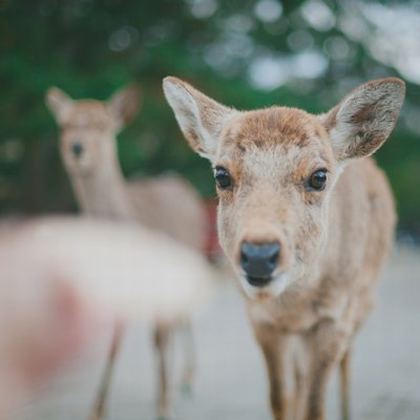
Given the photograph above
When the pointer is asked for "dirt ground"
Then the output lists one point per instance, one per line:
(230, 382)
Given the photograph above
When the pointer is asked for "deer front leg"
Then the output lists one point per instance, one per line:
(162, 337)
(189, 357)
(327, 345)
(301, 365)
(98, 412)
(345, 385)
(275, 350)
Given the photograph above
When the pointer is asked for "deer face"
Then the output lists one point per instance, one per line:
(275, 170)
(89, 127)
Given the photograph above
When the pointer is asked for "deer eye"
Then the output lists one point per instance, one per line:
(222, 177)
(318, 180)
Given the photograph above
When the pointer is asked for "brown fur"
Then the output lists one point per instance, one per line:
(168, 204)
(333, 242)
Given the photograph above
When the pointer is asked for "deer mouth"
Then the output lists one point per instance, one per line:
(259, 281)
(81, 166)
(264, 287)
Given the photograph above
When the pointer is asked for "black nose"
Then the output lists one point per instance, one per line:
(77, 149)
(259, 261)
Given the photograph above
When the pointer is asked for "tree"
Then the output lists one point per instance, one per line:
(245, 53)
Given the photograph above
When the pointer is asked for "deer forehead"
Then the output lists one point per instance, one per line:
(292, 162)
(276, 141)
(272, 126)
(89, 114)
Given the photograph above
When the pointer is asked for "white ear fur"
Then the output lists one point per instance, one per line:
(59, 103)
(364, 119)
(200, 118)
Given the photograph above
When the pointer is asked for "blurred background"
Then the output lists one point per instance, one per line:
(244, 53)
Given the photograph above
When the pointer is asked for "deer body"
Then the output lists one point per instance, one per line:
(167, 204)
(306, 219)
(326, 315)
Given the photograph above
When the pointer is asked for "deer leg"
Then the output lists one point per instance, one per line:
(327, 345)
(98, 412)
(345, 385)
(274, 348)
(300, 363)
(189, 357)
(162, 341)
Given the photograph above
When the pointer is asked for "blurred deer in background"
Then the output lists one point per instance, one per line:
(306, 219)
(168, 204)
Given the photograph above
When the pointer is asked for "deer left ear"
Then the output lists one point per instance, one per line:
(200, 118)
(364, 119)
(124, 104)
(59, 103)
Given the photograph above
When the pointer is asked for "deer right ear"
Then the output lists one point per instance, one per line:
(59, 103)
(124, 104)
(364, 119)
(200, 118)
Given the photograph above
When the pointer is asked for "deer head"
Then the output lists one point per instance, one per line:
(88, 127)
(275, 170)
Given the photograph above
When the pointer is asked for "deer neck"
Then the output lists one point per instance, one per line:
(102, 192)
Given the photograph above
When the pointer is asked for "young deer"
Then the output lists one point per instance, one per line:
(168, 204)
(306, 219)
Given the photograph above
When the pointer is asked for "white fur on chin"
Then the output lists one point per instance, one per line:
(274, 289)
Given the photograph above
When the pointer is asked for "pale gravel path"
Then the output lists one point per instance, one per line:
(231, 381)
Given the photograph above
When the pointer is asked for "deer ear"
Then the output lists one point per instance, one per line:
(364, 119)
(124, 104)
(200, 118)
(59, 103)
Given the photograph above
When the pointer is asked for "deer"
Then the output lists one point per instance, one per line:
(306, 219)
(168, 204)
(56, 299)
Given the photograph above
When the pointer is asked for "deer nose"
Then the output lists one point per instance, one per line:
(259, 261)
(77, 149)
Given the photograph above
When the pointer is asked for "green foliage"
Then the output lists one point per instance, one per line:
(90, 48)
